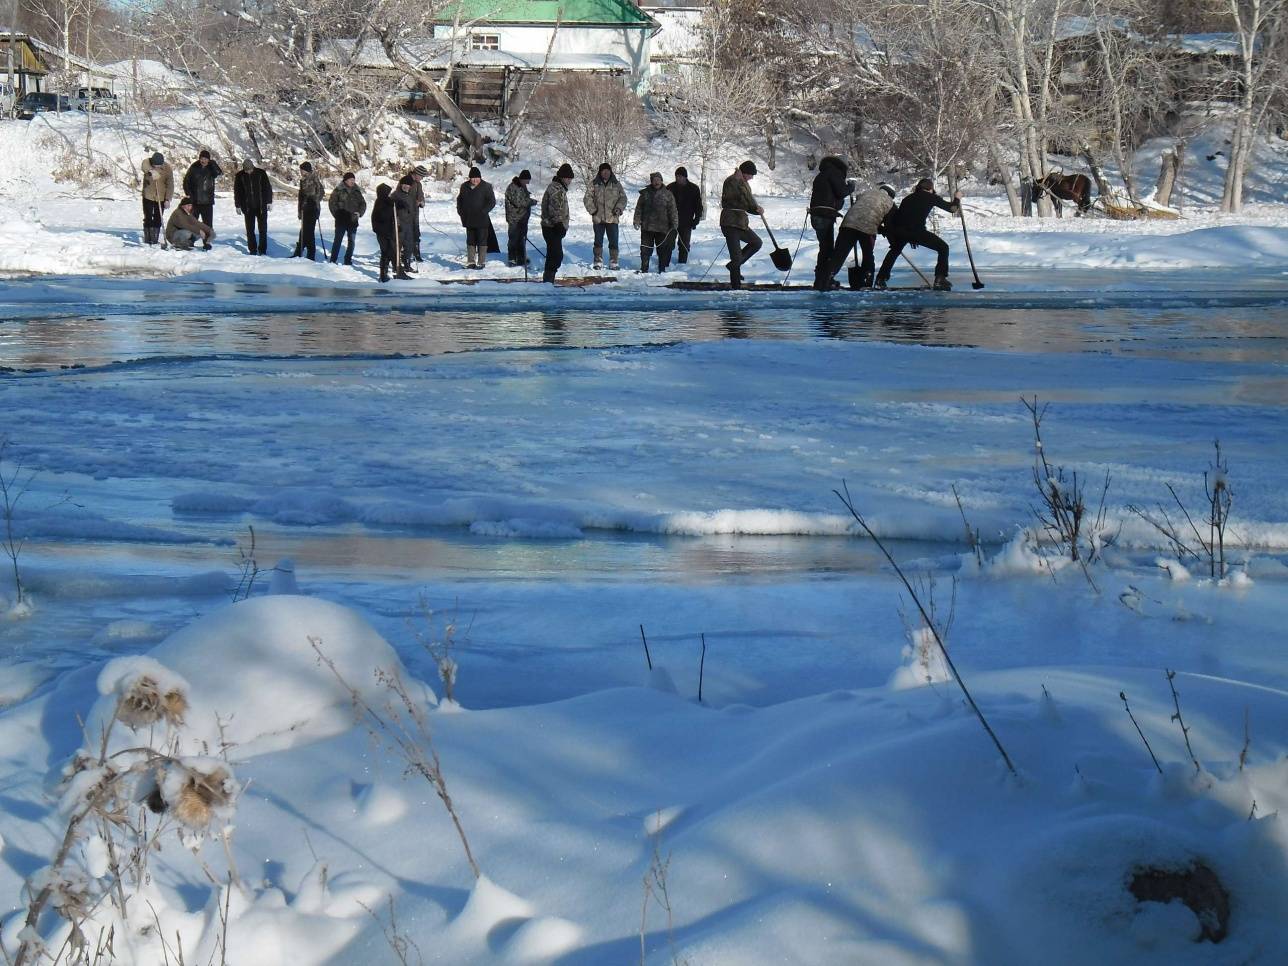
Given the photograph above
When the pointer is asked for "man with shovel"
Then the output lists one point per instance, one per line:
(736, 202)
(908, 227)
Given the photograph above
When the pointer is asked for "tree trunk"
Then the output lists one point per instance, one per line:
(1168, 173)
(771, 147)
(1004, 175)
(445, 104)
(1102, 186)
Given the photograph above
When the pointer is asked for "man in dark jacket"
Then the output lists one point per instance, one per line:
(736, 203)
(473, 204)
(826, 201)
(688, 203)
(384, 224)
(308, 208)
(405, 215)
(347, 207)
(908, 227)
(554, 220)
(199, 185)
(518, 209)
(417, 175)
(657, 219)
(253, 196)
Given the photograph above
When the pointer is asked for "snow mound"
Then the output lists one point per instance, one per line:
(257, 684)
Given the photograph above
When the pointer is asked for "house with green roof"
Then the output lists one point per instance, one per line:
(609, 37)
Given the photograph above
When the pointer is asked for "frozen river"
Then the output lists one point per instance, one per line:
(561, 467)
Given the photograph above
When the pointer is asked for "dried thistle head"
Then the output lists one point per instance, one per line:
(144, 703)
(201, 796)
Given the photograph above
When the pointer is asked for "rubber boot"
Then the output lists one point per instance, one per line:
(865, 279)
(599, 258)
(880, 283)
(480, 257)
(612, 260)
(645, 255)
(735, 278)
(942, 284)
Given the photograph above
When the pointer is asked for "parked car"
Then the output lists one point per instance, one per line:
(40, 102)
(98, 99)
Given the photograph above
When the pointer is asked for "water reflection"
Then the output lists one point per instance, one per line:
(1243, 327)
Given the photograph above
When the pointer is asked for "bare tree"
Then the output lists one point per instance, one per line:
(592, 120)
(1261, 34)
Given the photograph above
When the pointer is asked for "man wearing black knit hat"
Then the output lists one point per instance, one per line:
(518, 207)
(554, 220)
(688, 202)
(736, 203)
(474, 204)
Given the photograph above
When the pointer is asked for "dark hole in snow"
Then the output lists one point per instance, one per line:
(1197, 887)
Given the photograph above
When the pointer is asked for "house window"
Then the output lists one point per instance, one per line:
(485, 41)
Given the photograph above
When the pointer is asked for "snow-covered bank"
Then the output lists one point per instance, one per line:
(813, 831)
(49, 227)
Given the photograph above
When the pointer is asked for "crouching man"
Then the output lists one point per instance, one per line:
(184, 230)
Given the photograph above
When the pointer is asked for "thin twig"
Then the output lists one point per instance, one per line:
(1185, 732)
(844, 496)
(1154, 757)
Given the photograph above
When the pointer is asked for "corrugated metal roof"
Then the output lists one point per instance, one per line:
(437, 56)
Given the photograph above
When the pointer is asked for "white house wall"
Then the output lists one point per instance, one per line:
(631, 45)
(678, 37)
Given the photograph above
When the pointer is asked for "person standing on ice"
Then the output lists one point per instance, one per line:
(861, 225)
(184, 228)
(688, 203)
(199, 185)
(474, 204)
(826, 202)
(158, 192)
(736, 203)
(417, 175)
(518, 209)
(385, 225)
(657, 219)
(253, 196)
(605, 200)
(405, 214)
(308, 208)
(554, 220)
(908, 227)
(347, 205)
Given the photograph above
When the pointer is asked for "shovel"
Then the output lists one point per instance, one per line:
(856, 273)
(781, 257)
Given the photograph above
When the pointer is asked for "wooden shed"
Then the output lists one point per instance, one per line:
(29, 66)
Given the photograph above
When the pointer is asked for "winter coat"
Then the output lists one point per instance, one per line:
(868, 211)
(655, 211)
(347, 201)
(688, 202)
(605, 200)
(382, 215)
(518, 202)
(827, 197)
(252, 192)
(158, 183)
(473, 204)
(554, 206)
(736, 200)
(180, 220)
(312, 191)
(199, 182)
(406, 212)
(915, 209)
(417, 191)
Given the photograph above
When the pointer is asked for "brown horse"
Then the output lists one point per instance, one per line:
(1066, 187)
